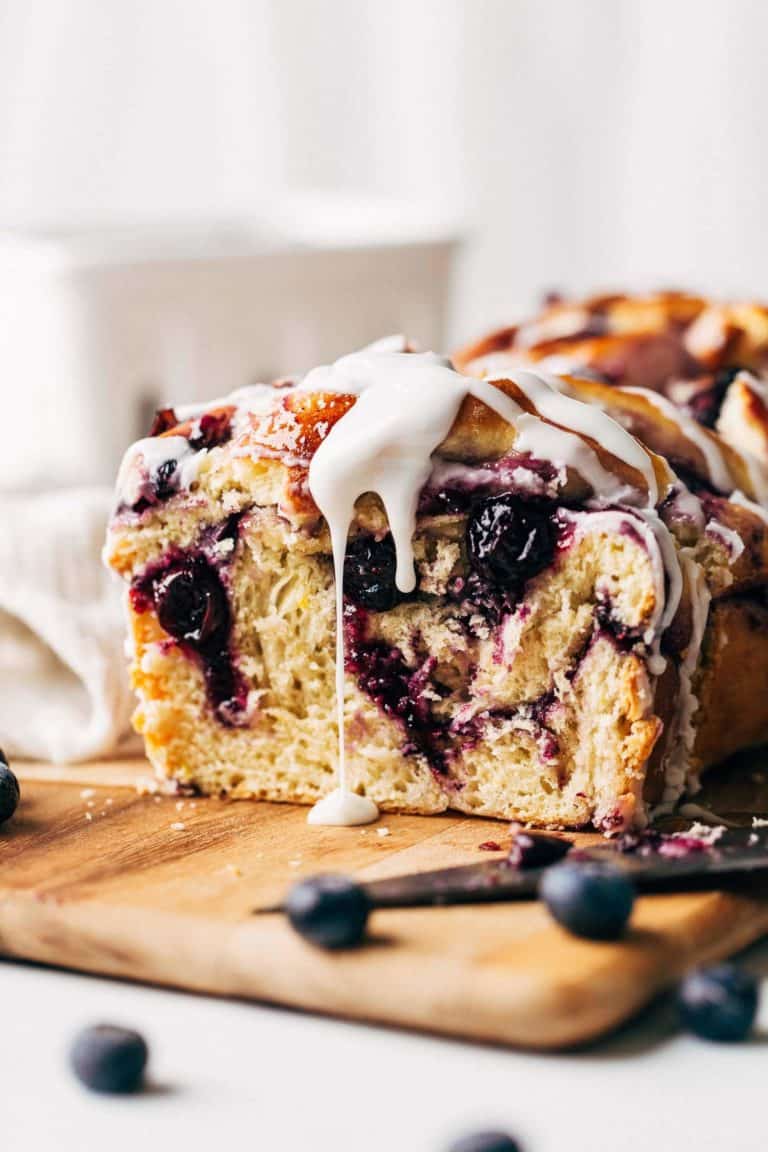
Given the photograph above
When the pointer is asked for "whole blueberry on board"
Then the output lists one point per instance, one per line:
(106, 1058)
(10, 793)
(719, 1003)
(485, 1142)
(590, 900)
(509, 540)
(330, 911)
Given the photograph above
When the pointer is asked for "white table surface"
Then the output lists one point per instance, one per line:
(227, 1075)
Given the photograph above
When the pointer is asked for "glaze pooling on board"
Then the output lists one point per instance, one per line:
(384, 444)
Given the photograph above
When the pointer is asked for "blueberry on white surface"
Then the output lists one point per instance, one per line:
(485, 1142)
(106, 1058)
(719, 1003)
(9, 790)
(590, 900)
(329, 911)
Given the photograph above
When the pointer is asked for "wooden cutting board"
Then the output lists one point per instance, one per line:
(96, 877)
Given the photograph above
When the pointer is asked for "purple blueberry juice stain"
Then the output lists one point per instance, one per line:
(455, 488)
(669, 845)
(399, 691)
(609, 623)
(211, 430)
(187, 590)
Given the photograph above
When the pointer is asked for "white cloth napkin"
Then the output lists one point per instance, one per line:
(64, 691)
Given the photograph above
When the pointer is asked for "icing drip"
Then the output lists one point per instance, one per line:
(555, 405)
(406, 406)
(679, 775)
(717, 468)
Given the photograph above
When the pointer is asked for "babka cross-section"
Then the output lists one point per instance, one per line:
(541, 619)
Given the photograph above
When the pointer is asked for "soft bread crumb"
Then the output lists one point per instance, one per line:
(588, 762)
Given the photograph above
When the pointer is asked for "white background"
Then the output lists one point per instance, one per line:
(231, 1076)
(575, 142)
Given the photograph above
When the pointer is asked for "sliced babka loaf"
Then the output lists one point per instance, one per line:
(528, 627)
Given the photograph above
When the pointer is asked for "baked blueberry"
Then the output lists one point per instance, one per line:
(491, 1141)
(591, 900)
(509, 540)
(330, 911)
(9, 791)
(369, 573)
(719, 1003)
(165, 479)
(190, 603)
(106, 1058)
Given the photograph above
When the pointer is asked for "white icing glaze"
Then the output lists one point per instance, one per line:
(546, 442)
(684, 505)
(757, 477)
(678, 774)
(739, 498)
(731, 541)
(143, 459)
(343, 809)
(406, 405)
(552, 403)
(717, 468)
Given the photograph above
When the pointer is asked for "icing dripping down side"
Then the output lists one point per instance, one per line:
(384, 444)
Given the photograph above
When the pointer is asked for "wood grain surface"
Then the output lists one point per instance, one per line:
(96, 877)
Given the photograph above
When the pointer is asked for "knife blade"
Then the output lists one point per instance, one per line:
(677, 862)
(672, 863)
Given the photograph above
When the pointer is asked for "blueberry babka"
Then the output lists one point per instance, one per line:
(495, 596)
(708, 359)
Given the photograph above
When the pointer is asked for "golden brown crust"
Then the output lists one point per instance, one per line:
(655, 342)
(732, 683)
